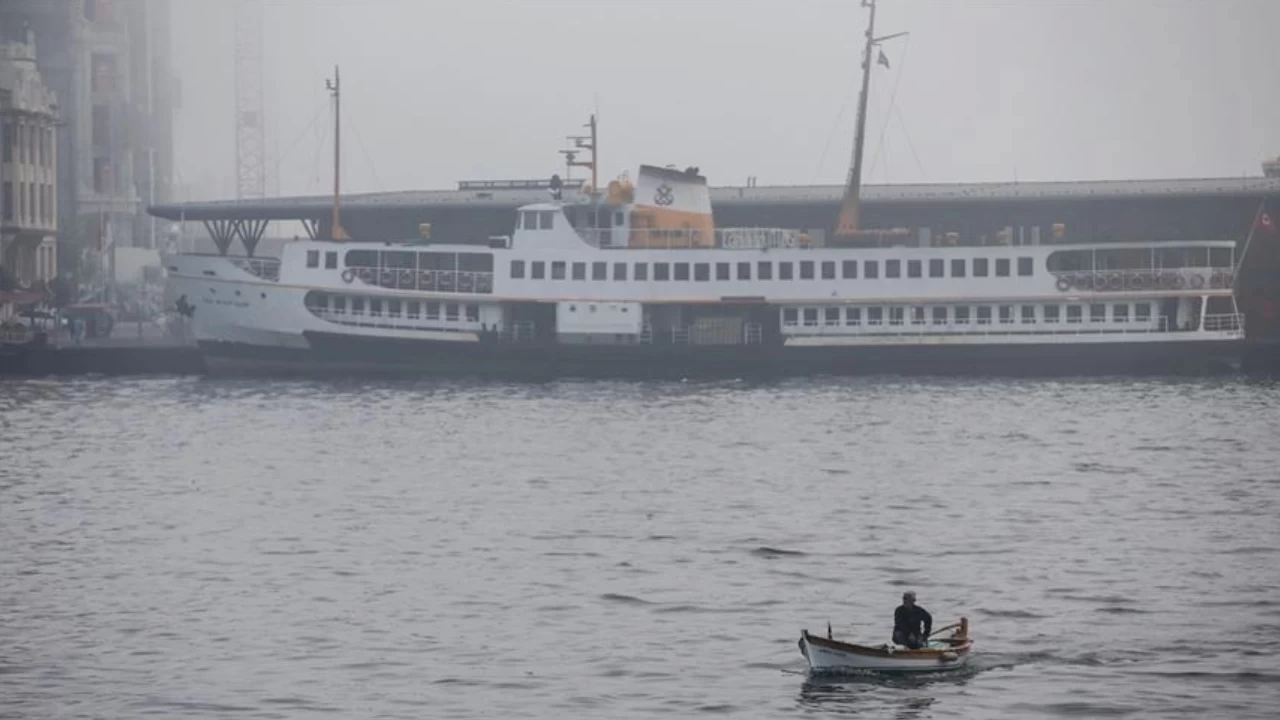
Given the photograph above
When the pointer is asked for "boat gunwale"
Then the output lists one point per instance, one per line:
(962, 649)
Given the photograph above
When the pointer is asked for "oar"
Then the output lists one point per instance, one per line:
(938, 630)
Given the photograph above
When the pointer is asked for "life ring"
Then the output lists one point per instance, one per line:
(1197, 281)
(349, 275)
(1063, 283)
(1178, 282)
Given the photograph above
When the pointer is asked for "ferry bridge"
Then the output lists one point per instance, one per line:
(975, 213)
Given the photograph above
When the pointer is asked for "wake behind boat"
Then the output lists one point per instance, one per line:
(828, 655)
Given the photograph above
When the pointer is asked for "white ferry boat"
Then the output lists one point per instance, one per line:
(637, 282)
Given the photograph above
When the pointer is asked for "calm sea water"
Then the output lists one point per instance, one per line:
(197, 548)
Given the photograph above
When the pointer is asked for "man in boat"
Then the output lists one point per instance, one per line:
(912, 624)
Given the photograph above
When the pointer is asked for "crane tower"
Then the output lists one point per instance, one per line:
(251, 174)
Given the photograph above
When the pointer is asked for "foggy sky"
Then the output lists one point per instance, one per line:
(437, 91)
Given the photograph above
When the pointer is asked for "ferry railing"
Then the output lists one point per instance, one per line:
(449, 281)
(692, 239)
(1226, 323)
(265, 268)
(380, 319)
(1198, 278)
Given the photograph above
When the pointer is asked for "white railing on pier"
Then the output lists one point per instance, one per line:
(448, 281)
(1197, 278)
(265, 268)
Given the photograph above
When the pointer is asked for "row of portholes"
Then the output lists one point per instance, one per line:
(214, 291)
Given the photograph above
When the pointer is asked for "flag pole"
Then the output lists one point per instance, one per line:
(1249, 240)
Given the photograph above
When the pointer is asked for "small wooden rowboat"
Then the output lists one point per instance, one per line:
(827, 655)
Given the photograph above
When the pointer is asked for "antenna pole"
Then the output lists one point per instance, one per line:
(335, 88)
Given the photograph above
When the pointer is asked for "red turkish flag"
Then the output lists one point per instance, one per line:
(1266, 224)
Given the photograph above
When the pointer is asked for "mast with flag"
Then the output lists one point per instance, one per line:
(335, 89)
(851, 208)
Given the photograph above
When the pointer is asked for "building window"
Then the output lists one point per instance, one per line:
(1002, 267)
(893, 268)
(1097, 313)
(558, 269)
(849, 269)
(853, 316)
(785, 271)
(764, 270)
(871, 270)
(939, 315)
(913, 268)
(620, 271)
(828, 270)
(722, 271)
(313, 258)
(642, 271)
(517, 269)
(662, 272)
(599, 271)
(682, 272)
(831, 316)
(1028, 314)
(744, 271)
(806, 269)
(979, 267)
(539, 270)
(1051, 313)
(937, 268)
(1075, 314)
(579, 271)
(701, 272)
(1025, 266)
(331, 261)
(957, 268)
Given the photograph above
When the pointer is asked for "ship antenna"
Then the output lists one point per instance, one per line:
(334, 87)
(851, 207)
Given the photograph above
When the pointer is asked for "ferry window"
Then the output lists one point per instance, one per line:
(744, 271)
(473, 313)
(790, 316)
(853, 316)
(642, 271)
(957, 268)
(557, 270)
(722, 271)
(517, 269)
(984, 314)
(913, 268)
(811, 317)
(939, 316)
(433, 311)
(402, 260)
(1120, 312)
(1051, 313)
(579, 271)
(831, 316)
(764, 270)
(1006, 314)
(875, 315)
(917, 315)
(937, 267)
(962, 315)
(701, 272)
(828, 270)
(785, 271)
(849, 269)
(437, 261)
(468, 262)
(599, 271)
(896, 315)
(393, 308)
(330, 260)
(682, 271)
(375, 307)
(539, 269)
(662, 271)
(357, 306)
(1075, 313)
(545, 219)
(1002, 267)
(1142, 312)
(530, 221)
(893, 268)
(339, 304)
(620, 271)
(979, 267)
(1028, 314)
(806, 269)
(313, 258)
(1097, 313)
(413, 309)
(1024, 266)
(451, 312)
(871, 270)
(362, 258)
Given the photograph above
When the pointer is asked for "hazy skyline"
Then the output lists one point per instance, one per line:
(436, 92)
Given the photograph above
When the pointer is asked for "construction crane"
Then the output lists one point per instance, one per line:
(251, 174)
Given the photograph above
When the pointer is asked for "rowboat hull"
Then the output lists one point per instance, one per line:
(827, 656)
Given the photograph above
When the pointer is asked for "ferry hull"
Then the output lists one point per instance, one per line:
(337, 353)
